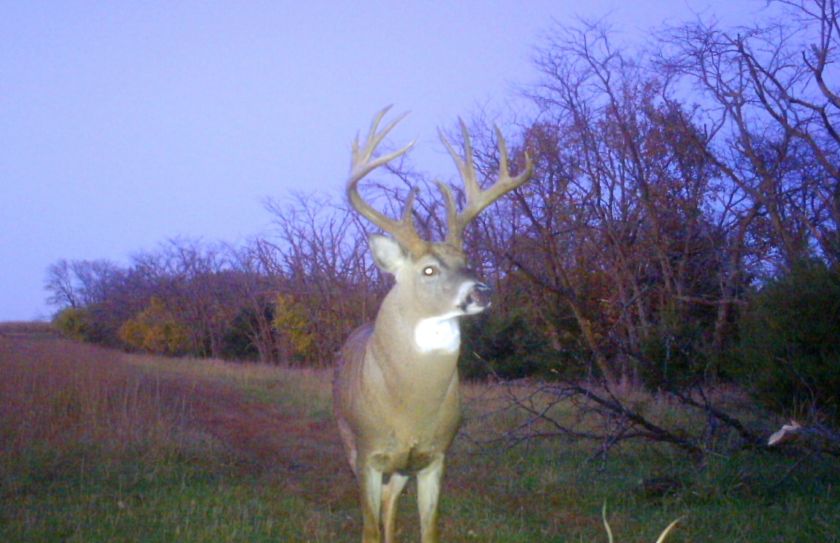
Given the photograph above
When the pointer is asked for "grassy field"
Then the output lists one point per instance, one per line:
(98, 445)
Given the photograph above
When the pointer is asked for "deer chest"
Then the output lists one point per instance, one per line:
(410, 446)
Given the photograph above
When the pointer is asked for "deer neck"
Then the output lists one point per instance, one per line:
(422, 350)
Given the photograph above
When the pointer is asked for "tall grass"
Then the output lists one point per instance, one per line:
(58, 394)
(80, 431)
(298, 389)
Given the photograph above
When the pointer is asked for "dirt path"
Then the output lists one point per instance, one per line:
(304, 451)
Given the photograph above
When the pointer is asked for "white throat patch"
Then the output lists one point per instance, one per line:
(438, 334)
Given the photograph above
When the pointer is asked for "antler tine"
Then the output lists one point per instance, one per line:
(478, 199)
(362, 164)
(451, 205)
(466, 168)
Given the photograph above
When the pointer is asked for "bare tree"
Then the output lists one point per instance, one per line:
(615, 227)
(61, 286)
(320, 255)
(771, 118)
(256, 286)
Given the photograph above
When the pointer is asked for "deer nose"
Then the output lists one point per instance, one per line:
(479, 295)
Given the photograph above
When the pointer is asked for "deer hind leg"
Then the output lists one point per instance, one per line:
(349, 444)
(428, 490)
(370, 486)
(390, 493)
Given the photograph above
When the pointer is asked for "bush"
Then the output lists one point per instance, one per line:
(293, 322)
(675, 355)
(507, 346)
(74, 323)
(237, 343)
(790, 342)
(155, 330)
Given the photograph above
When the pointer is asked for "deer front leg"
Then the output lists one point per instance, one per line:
(370, 485)
(428, 489)
(390, 494)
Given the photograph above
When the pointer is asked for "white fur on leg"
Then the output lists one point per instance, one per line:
(390, 493)
(428, 490)
(371, 486)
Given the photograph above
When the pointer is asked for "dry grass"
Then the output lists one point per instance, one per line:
(27, 329)
(56, 392)
(300, 389)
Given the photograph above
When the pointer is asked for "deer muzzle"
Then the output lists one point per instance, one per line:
(477, 298)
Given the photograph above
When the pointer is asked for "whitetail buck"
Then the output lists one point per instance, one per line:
(395, 393)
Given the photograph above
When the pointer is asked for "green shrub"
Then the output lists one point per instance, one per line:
(237, 343)
(508, 346)
(74, 323)
(674, 356)
(790, 342)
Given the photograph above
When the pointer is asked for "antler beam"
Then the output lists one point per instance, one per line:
(477, 199)
(362, 164)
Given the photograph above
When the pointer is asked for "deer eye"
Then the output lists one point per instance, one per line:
(430, 271)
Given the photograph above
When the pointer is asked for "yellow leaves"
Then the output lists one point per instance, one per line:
(156, 330)
(291, 320)
(74, 323)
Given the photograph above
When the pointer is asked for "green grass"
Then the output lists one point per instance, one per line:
(134, 499)
(96, 446)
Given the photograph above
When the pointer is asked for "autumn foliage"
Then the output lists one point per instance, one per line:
(155, 330)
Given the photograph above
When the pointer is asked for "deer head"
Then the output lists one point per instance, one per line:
(434, 275)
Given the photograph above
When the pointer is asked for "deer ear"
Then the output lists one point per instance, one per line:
(387, 253)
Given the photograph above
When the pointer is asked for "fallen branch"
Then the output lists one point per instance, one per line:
(813, 436)
(600, 414)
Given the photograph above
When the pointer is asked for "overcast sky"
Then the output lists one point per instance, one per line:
(123, 124)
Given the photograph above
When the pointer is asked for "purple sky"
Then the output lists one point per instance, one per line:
(122, 125)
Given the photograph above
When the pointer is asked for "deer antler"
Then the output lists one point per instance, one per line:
(362, 164)
(477, 199)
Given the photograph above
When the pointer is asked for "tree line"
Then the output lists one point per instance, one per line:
(681, 226)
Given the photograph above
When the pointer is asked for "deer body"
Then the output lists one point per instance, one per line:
(398, 416)
(395, 392)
